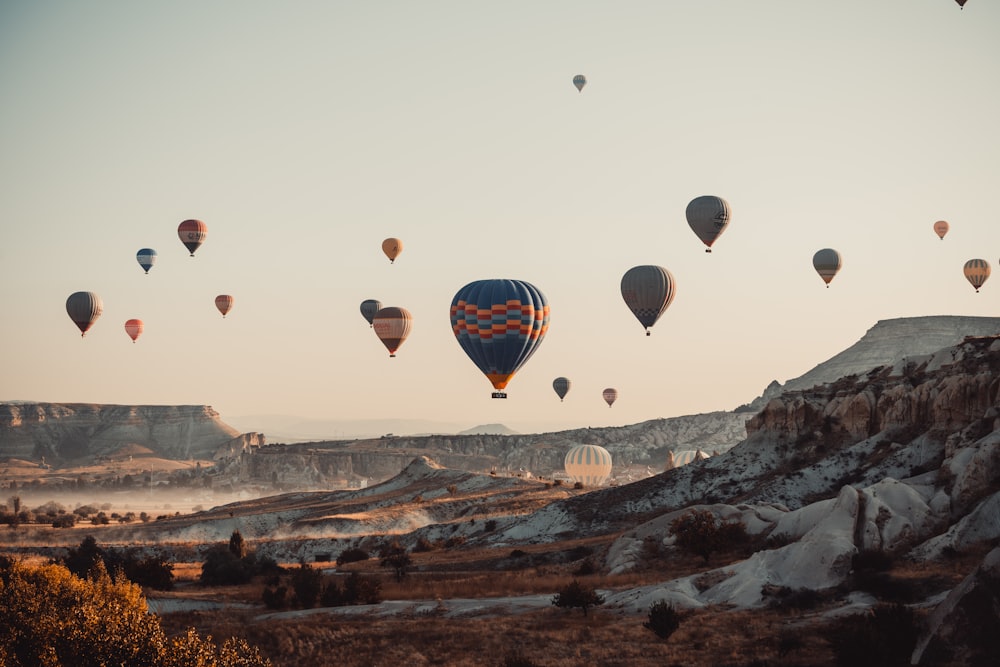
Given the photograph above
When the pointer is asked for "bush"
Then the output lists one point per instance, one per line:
(700, 533)
(424, 544)
(52, 617)
(398, 559)
(352, 556)
(64, 521)
(361, 590)
(223, 568)
(585, 568)
(307, 584)
(275, 598)
(576, 594)
(663, 619)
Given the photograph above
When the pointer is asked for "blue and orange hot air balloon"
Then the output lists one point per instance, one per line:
(499, 323)
(192, 234)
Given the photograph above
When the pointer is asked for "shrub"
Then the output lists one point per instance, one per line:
(398, 559)
(222, 567)
(424, 544)
(64, 521)
(361, 590)
(576, 594)
(332, 595)
(52, 617)
(700, 533)
(307, 584)
(585, 568)
(490, 525)
(663, 620)
(275, 598)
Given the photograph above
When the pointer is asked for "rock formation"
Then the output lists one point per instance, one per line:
(69, 432)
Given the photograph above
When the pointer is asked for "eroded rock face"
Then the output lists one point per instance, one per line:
(63, 432)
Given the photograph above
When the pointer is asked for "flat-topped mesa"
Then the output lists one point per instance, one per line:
(77, 431)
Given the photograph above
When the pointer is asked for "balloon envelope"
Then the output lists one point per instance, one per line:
(976, 272)
(392, 325)
(146, 258)
(588, 464)
(224, 302)
(133, 328)
(708, 216)
(648, 290)
(561, 386)
(192, 234)
(368, 309)
(941, 228)
(579, 81)
(499, 323)
(610, 396)
(84, 308)
(827, 263)
(392, 247)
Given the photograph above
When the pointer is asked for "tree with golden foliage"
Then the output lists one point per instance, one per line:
(50, 617)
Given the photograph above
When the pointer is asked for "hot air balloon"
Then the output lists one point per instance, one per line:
(146, 258)
(610, 396)
(192, 234)
(392, 247)
(499, 323)
(648, 290)
(368, 309)
(941, 228)
(561, 385)
(84, 308)
(976, 272)
(961, 3)
(392, 325)
(708, 217)
(590, 465)
(224, 303)
(827, 263)
(579, 81)
(134, 329)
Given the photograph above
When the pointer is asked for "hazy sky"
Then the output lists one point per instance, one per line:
(304, 133)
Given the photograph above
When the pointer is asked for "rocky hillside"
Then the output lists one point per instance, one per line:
(65, 433)
(886, 344)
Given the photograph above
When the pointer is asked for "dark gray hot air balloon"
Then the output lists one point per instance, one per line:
(708, 216)
(648, 290)
(84, 308)
(561, 385)
(579, 81)
(827, 263)
(368, 309)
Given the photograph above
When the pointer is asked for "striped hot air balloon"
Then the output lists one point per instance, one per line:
(84, 308)
(146, 258)
(192, 234)
(648, 291)
(589, 465)
(392, 325)
(976, 272)
(708, 216)
(134, 329)
(499, 323)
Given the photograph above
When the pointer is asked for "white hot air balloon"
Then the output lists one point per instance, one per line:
(588, 464)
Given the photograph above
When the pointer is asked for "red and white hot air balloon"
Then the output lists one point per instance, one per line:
(392, 325)
(192, 234)
(224, 302)
(134, 329)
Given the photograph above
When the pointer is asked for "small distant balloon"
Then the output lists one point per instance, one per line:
(610, 396)
(392, 247)
(192, 234)
(579, 81)
(827, 263)
(561, 386)
(224, 302)
(368, 309)
(134, 329)
(392, 325)
(84, 308)
(146, 258)
(941, 228)
(708, 216)
(961, 3)
(648, 290)
(976, 272)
